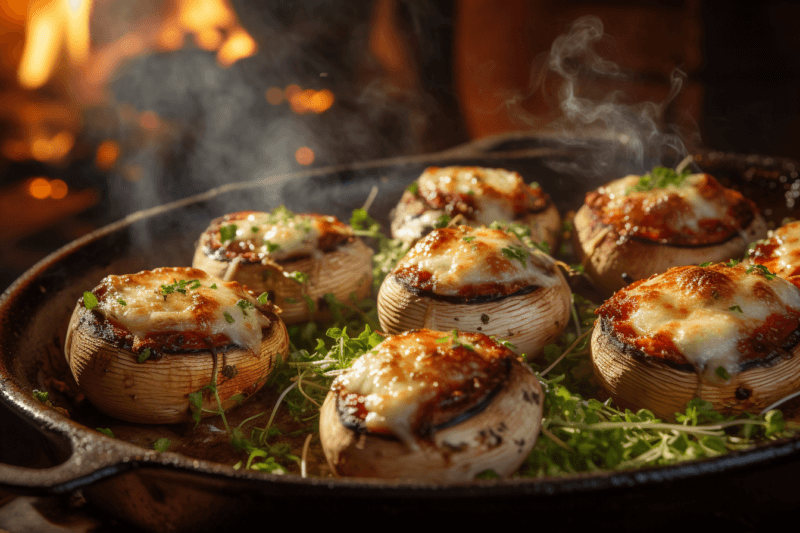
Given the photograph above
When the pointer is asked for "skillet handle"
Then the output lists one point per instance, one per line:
(90, 457)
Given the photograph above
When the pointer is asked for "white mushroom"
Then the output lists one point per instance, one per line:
(478, 196)
(433, 406)
(727, 335)
(139, 344)
(479, 280)
(296, 259)
(630, 229)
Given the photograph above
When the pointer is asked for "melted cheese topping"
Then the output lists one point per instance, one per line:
(708, 317)
(462, 261)
(142, 306)
(781, 253)
(276, 236)
(698, 211)
(403, 383)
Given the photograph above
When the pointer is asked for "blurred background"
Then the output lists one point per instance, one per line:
(111, 106)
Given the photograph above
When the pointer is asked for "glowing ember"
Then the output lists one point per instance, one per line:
(238, 46)
(304, 155)
(274, 95)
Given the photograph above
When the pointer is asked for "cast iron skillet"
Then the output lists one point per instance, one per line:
(168, 491)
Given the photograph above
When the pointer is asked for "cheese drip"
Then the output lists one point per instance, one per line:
(404, 374)
(462, 257)
(708, 315)
(283, 236)
(138, 303)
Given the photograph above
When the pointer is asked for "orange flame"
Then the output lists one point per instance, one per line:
(53, 26)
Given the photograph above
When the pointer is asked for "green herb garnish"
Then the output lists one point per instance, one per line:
(660, 178)
(413, 188)
(442, 221)
(735, 309)
(145, 355)
(271, 246)
(722, 373)
(42, 396)
(518, 253)
(468, 238)
(299, 277)
(707, 263)
(162, 444)
(263, 298)
(244, 305)
(228, 318)
(181, 286)
(732, 263)
(763, 270)
(228, 233)
(121, 302)
(106, 431)
(89, 300)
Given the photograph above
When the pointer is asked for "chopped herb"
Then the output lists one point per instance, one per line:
(254, 229)
(442, 221)
(263, 298)
(213, 286)
(309, 303)
(299, 277)
(89, 300)
(453, 337)
(145, 355)
(721, 372)
(244, 305)
(764, 270)
(732, 263)
(542, 246)
(735, 309)
(707, 263)
(180, 286)
(122, 302)
(106, 431)
(228, 318)
(659, 178)
(413, 188)
(471, 192)
(515, 252)
(271, 246)
(162, 444)
(468, 238)
(228, 233)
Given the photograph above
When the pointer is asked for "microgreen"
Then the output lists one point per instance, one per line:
(228, 233)
(162, 444)
(390, 251)
(263, 298)
(455, 341)
(89, 300)
(732, 263)
(659, 178)
(706, 264)
(42, 396)
(122, 302)
(106, 431)
(228, 318)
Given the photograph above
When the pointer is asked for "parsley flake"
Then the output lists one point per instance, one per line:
(660, 178)
(228, 233)
(515, 252)
(735, 309)
(707, 263)
(413, 188)
(228, 318)
(468, 238)
(42, 396)
(732, 263)
(271, 246)
(244, 305)
(442, 221)
(90, 300)
(764, 270)
(145, 355)
(263, 298)
(106, 431)
(721, 372)
(122, 302)
(299, 277)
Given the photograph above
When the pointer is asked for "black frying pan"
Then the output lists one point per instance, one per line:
(168, 491)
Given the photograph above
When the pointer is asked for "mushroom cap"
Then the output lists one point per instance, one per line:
(727, 335)
(179, 355)
(478, 280)
(626, 239)
(327, 260)
(445, 434)
(480, 196)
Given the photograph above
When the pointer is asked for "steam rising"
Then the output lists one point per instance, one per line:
(634, 140)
